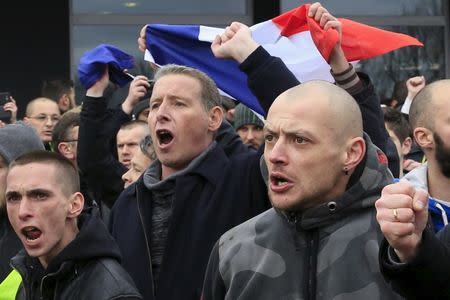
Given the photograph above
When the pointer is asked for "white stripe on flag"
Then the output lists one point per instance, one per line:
(298, 52)
(148, 56)
(207, 34)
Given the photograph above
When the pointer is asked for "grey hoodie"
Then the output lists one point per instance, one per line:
(326, 252)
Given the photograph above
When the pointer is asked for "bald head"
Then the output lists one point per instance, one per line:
(333, 105)
(427, 103)
(34, 104)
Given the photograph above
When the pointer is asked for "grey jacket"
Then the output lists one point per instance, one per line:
(326, 252)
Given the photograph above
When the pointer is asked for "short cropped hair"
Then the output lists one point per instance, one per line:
(67, 173)
(61, 130)
(420, 113)
(133, 124)
(33, 102)
(146, 147)
(54, 89)
(209, 92)
(400, 92)
(398, 123)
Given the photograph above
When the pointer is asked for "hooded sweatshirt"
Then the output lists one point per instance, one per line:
(87, 268)
(326, 252)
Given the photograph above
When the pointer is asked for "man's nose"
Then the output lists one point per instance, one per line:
(25, 209)
(277, 154)
(126, 177)
(162, 112)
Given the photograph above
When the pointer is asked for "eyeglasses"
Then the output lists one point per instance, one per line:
(43, 118)
(68, 141)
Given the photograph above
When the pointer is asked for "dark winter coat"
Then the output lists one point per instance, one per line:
(427, 276)
(87, 268)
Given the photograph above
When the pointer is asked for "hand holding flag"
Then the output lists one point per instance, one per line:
(236, 42)
(304, 43)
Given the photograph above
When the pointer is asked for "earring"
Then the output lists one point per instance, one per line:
(345, 171)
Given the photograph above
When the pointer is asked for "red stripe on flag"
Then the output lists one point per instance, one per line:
(359, 41)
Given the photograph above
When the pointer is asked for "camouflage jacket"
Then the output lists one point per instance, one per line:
(326, 252)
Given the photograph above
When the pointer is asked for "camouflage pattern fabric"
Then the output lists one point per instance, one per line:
(327, 252)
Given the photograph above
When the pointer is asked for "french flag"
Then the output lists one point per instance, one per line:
(293, 36)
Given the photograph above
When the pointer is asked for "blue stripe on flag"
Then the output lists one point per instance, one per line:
(179, 44)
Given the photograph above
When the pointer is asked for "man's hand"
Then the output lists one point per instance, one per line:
(12, 107)
(414, 85)
(141, 39)
(236, 42)
(402, 213)
(138, 89)
(338, 62)
(100, 86)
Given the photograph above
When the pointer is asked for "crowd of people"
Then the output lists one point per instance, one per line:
(182, 193)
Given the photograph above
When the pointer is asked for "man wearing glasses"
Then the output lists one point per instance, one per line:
(43, 114)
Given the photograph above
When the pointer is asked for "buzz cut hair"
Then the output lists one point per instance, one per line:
(54, 89)
(61, 130)
(133, 124)
(67, 174)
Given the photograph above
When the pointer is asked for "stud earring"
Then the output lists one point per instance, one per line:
(345, 171)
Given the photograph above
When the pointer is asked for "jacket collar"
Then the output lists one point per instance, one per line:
(210, 168)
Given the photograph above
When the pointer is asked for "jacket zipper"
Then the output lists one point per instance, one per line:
(310, 284)
(141, 217)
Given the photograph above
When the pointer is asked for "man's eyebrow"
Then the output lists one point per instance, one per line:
(34, 192)
(12, 193)
(266, 127)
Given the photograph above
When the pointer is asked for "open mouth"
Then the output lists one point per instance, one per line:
(278, 180)
(164, 136)
(31, 233)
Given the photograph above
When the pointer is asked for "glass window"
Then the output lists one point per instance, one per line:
(174, 7)
(407, 62)
(86, 37)
(375, 8)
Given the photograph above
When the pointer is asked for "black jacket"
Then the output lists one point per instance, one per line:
(99, 168)
(9, 245)
(87, 268)
(428, 275)
(221, 192)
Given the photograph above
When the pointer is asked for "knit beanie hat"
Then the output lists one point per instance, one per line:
(140, 107)
(17, 139)
(244, 116)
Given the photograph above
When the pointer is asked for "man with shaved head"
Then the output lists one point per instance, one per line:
(323, 175)
(42, 114)
(429, 118)
(412, 257)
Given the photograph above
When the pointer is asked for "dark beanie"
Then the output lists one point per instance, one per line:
(17, 139)
(244, 116)
(140, 107)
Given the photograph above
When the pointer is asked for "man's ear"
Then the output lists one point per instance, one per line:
(26, 120)
(65, 149)
(406, 146)
(64, 101)
(424, 138)
(76, 205)
(355, 151)
(215, 117)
